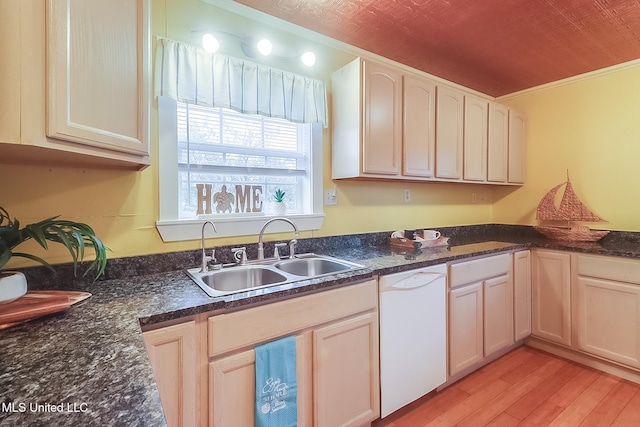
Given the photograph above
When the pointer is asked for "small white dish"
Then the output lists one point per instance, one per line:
(13, 285)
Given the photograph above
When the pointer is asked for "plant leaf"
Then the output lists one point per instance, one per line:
(75, 236)
(34, 258)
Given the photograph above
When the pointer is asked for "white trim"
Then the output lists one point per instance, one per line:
(167, 159)
(179, 230)
(172, 229)
(574, 79)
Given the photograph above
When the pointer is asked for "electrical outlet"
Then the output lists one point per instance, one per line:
(407, 195)
(330, 198)
(474, 198)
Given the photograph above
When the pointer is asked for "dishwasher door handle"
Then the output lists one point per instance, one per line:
(414, 281)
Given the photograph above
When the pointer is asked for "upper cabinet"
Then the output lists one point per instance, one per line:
(475, 138)
(498, 143)
(382, 120)
(383, 123)
(389, 123)
(517, 148)
(449, 133)
(418, 154)
(80, 92)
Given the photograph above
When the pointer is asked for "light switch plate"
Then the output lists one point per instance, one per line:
(330, 198)
(407, 195)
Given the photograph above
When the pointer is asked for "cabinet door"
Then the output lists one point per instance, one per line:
(517, 147)
(346, 372)
(465, 327)
(449, 133)
(498, 314)
(497, 144)
(419, 127)
(609, 319)
(172, 352)
(10, 71)
(475, 139)
(232, 387)
(382, 138)
(232, 390)
(551, 296)
(98, 74)
(522, 294)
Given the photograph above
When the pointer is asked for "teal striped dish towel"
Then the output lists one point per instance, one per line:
(276, 384)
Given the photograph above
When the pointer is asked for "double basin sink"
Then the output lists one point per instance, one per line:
(270, 272)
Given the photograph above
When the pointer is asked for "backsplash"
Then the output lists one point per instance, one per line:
(121, 268)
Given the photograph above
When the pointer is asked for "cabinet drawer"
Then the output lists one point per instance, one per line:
(248, 327)
(620, 269)
(478, 269)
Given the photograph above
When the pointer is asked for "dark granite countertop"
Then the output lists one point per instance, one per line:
(90, 362)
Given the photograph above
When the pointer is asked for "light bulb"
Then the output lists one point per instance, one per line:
(264, 47)
(210, 43)
(308, 59)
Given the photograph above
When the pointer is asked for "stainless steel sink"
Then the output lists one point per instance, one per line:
(313, 266)
(235, 279)
(241, 278)
(265, 273)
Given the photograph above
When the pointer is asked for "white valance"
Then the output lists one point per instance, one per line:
(191, 75)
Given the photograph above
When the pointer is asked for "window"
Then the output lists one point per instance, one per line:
(202, 149)
(229, 151)
(216, 147)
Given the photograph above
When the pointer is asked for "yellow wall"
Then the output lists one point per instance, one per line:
(590, 127)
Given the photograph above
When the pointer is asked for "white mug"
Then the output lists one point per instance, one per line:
(430, 234)
(398, 234)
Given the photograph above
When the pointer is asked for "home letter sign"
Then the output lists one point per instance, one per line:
(247, 198)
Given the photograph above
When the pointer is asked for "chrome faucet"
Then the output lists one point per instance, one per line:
(266, 224)
(205, 259)
(292, 248)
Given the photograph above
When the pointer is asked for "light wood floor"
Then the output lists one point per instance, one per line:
(527, 387)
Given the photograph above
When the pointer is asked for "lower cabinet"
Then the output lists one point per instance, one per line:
(336, 357)
(173, 355)
(608, 308)
(551, 296)
(233, 381)
(480, 310)
(498, 313)
(609, 319)
(465, 327)
(587, 308)
(205, 367)
(522, 294)
(346, 389)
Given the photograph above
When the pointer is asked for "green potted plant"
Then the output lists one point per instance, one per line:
(75, 236)
(280, 207)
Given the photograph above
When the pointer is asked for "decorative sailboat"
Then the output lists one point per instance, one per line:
(571, 209)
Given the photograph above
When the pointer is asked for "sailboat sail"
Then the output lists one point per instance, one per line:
(571, 208)
(574, 209)
(547, 207)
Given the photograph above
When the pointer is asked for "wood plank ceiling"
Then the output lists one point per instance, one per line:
(496, 47)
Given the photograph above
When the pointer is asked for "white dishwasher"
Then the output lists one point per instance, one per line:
(413, 335)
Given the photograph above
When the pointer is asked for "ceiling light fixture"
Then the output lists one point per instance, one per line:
(264, 46)
(250, 47)
(210, 43)
(308, 59)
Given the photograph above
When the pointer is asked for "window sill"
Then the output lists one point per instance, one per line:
(191, 229)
